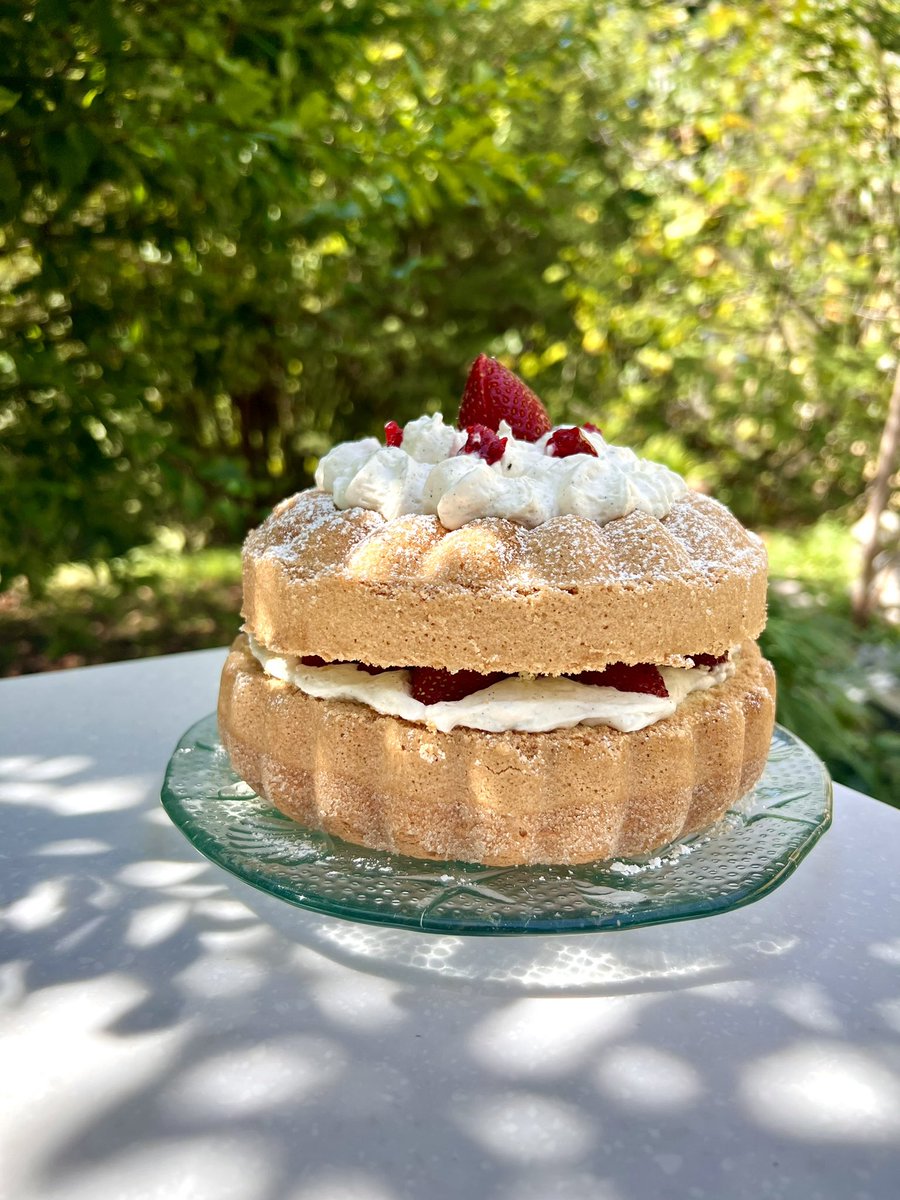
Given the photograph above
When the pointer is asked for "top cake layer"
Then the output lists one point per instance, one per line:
(568, 595)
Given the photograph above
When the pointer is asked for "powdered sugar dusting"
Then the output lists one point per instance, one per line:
(713, 538)
(675, 852)
(309, 535)
(700, 538)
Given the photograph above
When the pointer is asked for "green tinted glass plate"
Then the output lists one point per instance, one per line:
(754, 848)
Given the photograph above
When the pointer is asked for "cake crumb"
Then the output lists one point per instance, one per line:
(431, 753)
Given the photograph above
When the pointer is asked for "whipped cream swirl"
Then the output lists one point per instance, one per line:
(427, 474)
(526, 703)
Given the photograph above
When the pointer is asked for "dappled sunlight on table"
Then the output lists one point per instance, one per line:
(166, 1023)
(825, 1092)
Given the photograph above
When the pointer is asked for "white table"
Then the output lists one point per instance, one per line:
(171, 1033)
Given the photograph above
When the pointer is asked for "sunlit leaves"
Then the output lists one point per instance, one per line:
(234, 232)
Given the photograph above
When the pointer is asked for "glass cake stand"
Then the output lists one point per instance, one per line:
(753, 849)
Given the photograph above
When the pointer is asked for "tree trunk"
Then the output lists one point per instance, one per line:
(879, 494)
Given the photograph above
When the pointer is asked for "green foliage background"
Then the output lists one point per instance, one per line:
(233, 232)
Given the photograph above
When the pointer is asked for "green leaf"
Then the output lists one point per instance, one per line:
(8, 99)
(9, 190)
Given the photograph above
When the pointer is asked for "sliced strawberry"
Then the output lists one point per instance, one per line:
(484, 441)
(708, 660)
(313, 660)
(569, 441)
(393, 434)
(494, 394)
(592, 427)
(626, 677)
(431, 685)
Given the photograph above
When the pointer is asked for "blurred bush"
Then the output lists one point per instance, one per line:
(833, 694)
(232, 232)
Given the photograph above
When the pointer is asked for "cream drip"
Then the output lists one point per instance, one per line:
(426, 474)
(526, 703)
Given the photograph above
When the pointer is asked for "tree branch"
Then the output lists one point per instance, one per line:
(888, 455)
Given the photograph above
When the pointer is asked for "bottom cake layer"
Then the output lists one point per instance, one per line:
(569, 796)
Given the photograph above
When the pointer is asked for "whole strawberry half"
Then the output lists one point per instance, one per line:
(431, 685)
(494, 394)
(626, 677)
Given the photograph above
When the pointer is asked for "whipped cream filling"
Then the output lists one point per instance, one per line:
(526, 703)
(427, 474)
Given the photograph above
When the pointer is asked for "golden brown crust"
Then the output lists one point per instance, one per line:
(570, 595)
(573, 795)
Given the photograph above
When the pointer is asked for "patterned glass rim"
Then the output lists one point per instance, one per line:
(753, 849)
